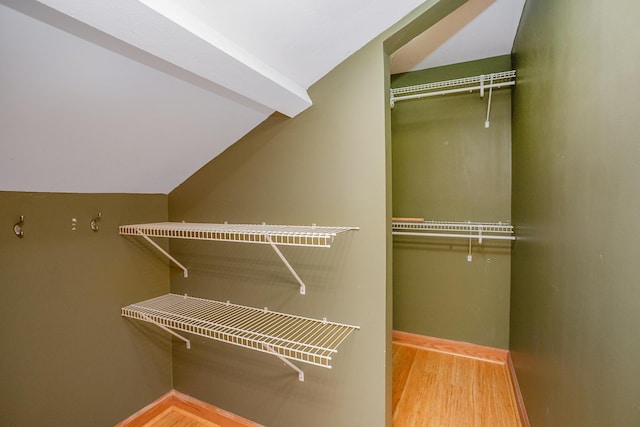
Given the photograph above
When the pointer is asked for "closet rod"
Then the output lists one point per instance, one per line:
(465, 236)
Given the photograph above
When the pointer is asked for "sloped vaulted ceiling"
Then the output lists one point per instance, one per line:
(134, 96)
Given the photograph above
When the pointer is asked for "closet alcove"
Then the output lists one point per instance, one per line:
(449, 165)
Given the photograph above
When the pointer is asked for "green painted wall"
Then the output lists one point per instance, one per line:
(68, 358)
(576, 168)
(330, 166)
(447, 166)
(326, 166)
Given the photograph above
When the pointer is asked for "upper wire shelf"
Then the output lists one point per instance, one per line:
(465, 229)
(283, 335)
(453, 229)
(466, 84)
(313, 235)
(273, 235)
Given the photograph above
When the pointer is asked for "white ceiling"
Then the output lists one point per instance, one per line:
(134, 96)
(476, 30)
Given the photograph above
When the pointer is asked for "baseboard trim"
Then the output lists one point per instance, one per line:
(522, 410)
(183, 402)
(457, 348)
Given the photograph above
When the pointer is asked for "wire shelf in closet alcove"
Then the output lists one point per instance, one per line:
(453, 229)
(466, 84)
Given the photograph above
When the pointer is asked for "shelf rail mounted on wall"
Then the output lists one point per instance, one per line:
(272, 235)
(467, 84)
(285, 336)
(453, 229)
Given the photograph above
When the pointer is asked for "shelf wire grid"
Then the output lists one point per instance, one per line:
(454, 226)
(294, 337)
(316, 236)
(498, 78)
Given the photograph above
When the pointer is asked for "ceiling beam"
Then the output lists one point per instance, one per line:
(165, 29)
(428, 14)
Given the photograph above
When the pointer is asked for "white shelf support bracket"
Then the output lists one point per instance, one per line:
(287, 362)
(486, 123)
(164, 328)
(165, 253)
(303, 288)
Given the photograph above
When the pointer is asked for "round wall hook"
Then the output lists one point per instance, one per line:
(17, 227)
(94, 222)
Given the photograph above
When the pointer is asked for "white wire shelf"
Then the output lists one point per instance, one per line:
(455, 229)
(273, 235)
(317, 236)
(466, 84)
(485, 230)
(286, 336)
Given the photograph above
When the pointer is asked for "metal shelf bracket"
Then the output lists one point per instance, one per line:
(303, 288)
(164, 328)
(163, 252)
(486, 123)
(300, 372)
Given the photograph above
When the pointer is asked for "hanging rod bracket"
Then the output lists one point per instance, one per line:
(270, 350)
(164, 328)
(303, 288)
(165, 253)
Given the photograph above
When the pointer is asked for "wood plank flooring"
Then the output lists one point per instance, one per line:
(179, 417)
(436, 383)
(433, 388)
(177, 409)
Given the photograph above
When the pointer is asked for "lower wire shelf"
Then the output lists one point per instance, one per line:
(285, 336)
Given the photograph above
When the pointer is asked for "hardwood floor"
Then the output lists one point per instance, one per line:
(436, 388)
(179, 417)
(436, 383)
(177, 409)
